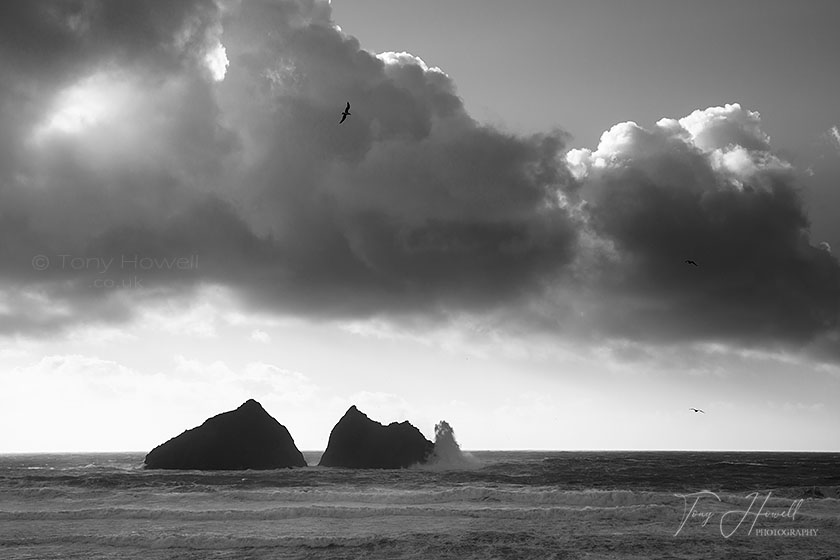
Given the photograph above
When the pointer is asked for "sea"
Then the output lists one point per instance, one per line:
(477, 505)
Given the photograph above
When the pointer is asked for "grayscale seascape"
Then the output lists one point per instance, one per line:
(596, 237)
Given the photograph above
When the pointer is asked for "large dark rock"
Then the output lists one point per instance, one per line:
(359, 442)
(245, 438)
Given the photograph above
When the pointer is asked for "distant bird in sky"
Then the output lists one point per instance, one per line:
(697, 410)
(691, 262)
(345, 113)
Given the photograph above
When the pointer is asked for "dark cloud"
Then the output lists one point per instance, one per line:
(691, 190)
(410, 206)
(121, 140)
(60, 39)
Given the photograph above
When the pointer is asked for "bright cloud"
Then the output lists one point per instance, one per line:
(217, 62)
(834, 136)
(261, 336)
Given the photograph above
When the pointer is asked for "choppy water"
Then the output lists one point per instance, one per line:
(499, 505)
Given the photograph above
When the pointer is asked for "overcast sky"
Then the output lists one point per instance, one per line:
(496, 236)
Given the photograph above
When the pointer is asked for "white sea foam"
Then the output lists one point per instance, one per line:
(447, 454)
(673, 510)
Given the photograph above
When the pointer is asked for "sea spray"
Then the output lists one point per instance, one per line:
(447, 453)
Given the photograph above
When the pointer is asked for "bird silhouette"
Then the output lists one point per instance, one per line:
(691, 262)
(345, 113)
(697, 410)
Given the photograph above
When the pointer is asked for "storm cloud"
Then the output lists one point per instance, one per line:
(705, 188)
(164, 130)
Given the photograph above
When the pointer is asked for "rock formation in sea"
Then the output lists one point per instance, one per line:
(245, 438)
(359, 442)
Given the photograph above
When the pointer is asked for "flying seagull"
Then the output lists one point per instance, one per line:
(697, 410)
(345, 113)
(691, 262)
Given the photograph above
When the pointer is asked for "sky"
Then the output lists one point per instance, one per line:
(497, 236)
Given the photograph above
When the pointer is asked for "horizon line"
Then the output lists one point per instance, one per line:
(535, 450)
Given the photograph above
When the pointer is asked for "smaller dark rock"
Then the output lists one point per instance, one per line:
(356, 441)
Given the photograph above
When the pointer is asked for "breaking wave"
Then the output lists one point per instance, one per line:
(447, 454)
